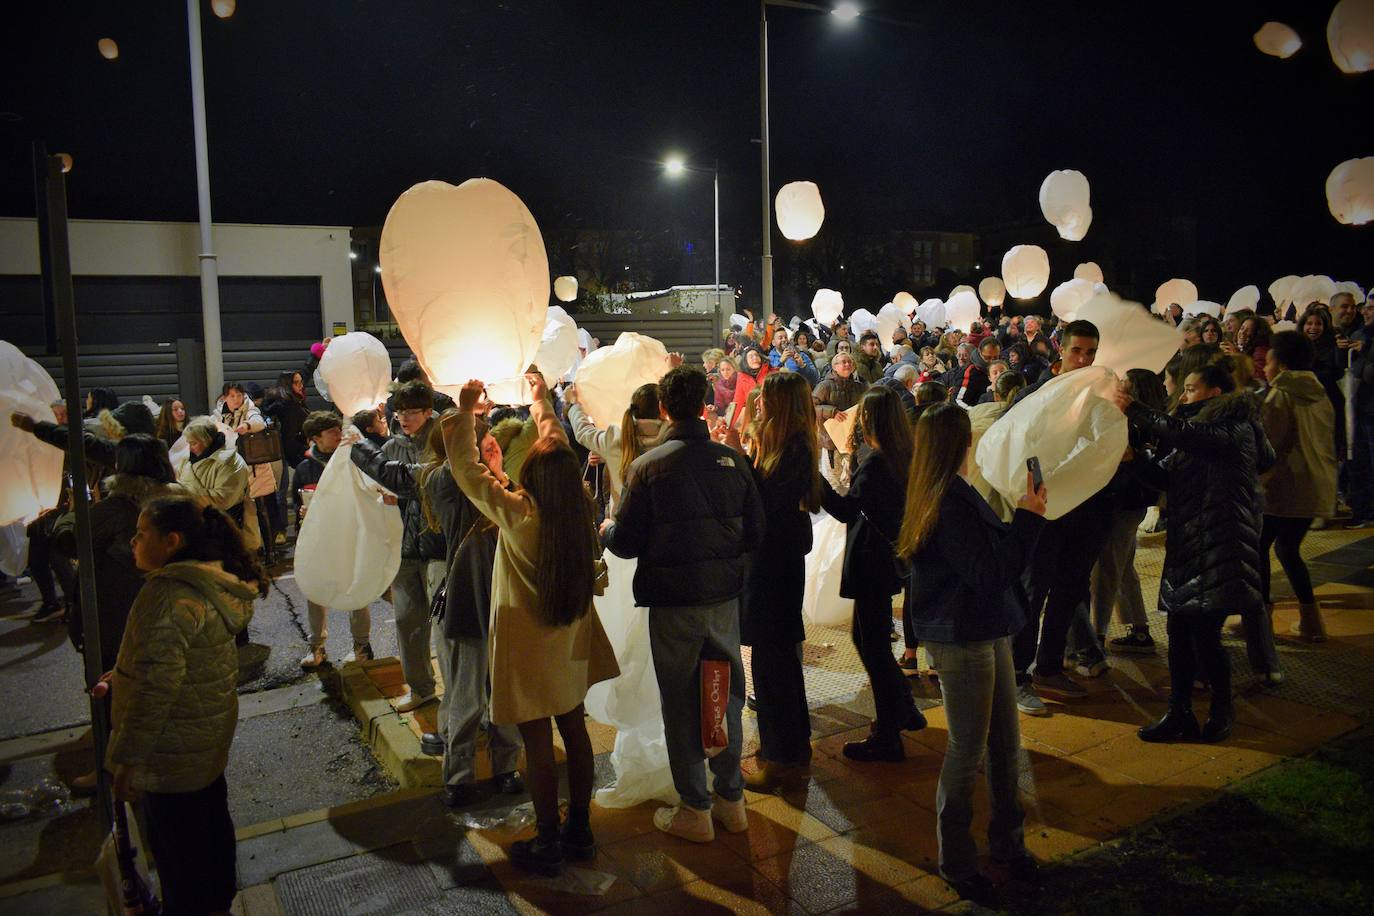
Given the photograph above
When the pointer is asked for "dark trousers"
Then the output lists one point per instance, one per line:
(1195, 642)
(1058, 582)
(871, 631)
(192, 841)
(780, 688)
(44, 564)
(909, 639)
(1285, 535)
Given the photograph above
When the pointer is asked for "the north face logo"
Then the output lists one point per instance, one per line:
(725, 462)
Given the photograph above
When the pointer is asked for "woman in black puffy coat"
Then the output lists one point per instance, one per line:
(1214, 451)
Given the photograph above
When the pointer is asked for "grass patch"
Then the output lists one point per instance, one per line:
(1297, 838)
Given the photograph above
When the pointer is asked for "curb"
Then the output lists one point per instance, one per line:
(393, 743)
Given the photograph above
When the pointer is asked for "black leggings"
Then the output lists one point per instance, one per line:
(872, 635)
(541, 768)
(1285, 536)
(1195, 641)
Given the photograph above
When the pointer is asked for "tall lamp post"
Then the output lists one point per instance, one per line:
(675, 166)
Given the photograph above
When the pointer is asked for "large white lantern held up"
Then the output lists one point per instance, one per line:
(1247, 297)
(1129, 337)
(1350, 190)
(933, 313)
(1277, 40)
(826, 306)
(1202, 307)
(1068, 297)
(799, 210)
(906, 302)
(1026, 271)
(558, 345)
(1088, 270)
(356, 371)
(30, 471)
(992, 291)
(861, 320)
(890, 318)
(1353, 288)
(962, 310)
(1175, 292)
(1310, 289)
(1064, 202)
(608, 376)
(1350, 35)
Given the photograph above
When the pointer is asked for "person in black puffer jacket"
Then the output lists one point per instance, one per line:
(1216, 451)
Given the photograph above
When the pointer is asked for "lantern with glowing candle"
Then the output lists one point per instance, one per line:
(1064, 202)
(356, 371)
(961, 288)
(799, 209)
(108, 48)
(906, 302)
(1068, 297)
(30, 471)
(1088, 270)
(1350, 35)
(826, 306)
(565, 289)
(1277, 40)
(1174, 292)
(467, 278)
(558, 346)
(962, 310)
(1350, 190)
(608, 377)
(223, 8)
(992, 291)
(1026, 271)
(1247, 297)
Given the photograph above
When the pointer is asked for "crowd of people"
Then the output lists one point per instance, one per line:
(711, 483)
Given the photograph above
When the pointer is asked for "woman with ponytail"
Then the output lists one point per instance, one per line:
(547, 643)
(966, 568)
(174, 702)
(641, 428)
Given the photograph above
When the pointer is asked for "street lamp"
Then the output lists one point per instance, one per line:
(674, 165)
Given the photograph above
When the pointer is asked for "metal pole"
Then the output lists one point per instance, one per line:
(209, 267)
(57, 268)
(716, 189)
(767, 304)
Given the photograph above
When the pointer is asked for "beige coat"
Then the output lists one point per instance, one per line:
(221, 480)
(1299, 420)
(174, 697)
(980, 418)
(537, 670)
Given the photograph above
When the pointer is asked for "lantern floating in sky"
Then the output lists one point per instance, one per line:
(467, 278)
(1310, 289)
(108, 48)
(356, 370)
(66, 160)
(799, 209)
(1064, 202)
(1088, 270)
(223, 8)
(1026, 271)
(1247, 297)
(961, 288)
(608, 377)
(992, 291)
(826, 306)
(1202, 307)
(1068, 297)
(1277, 40)
(906, 302)
(963, 309)
(1350, 190)
(1350, 35)
(1175, 292)
(565, 288)
(30, 471)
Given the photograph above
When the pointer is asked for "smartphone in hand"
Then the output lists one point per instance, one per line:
(1037, 476)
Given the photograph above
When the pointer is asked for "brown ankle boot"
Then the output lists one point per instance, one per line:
(1310, 626)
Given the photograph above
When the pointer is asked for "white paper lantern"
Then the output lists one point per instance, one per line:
(1350, 35)
(962, 310)
(356, 370)
(906, 302)
(223, 8)
(738, 322)
(558, 346)
(1064, 202)
(861, 320)
(1277, 40)
(108, 48)
(565, 288)
(1068, 297)
(826, 306)
(1350, 191)
(1310, 289)
(1174, 292)
(467, 278)
(933, 313)
(992, 291)
(1026, 271)
(889, 319)
(961, 288)
(1281, 291)
(1247, 297)
(1130, 338)
(799, 210)
(30, 471)
(608, 377)
(585, 341)
(1088, 270)
(1353, 288)
(1202, 307)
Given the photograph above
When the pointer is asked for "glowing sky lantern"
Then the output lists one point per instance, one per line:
(1130, 337)
(1202, 307)
(1281, 291)
(1350, 190)
(565, 289)
(932, 312)
(1350, 35)
(1277, 40)
(1026, 271)
(356, 371)
(609, 376)
(961, 288)
(799, 209)
(1068, 297)
(1064, 202)
(1313, 288)
(30, 471)
(826, 306)
(1088, 270)
(467, 278)
(1247, 297)
(223, 8)
(558, 345)
(906, 302)
(992, 291)
(1353, 288)
(108, 48)
(889, 319)
(1175, 292)
(861, 320)
(962, 310)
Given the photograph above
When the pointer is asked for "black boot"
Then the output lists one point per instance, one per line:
(578, 843)
(1220, 720)
(542, 855)
(876, 747)
(1178, 724)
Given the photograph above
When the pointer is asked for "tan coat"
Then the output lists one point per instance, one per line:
(981, 417)
(1299, 420)
(537, 670)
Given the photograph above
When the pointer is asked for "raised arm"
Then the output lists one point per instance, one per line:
(600, 442)
(473, 477)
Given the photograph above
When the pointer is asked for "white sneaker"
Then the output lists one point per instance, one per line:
(314, 658)
(686, 823)
(731, 814)
(409, 701)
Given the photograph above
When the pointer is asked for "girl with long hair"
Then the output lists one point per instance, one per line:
(753, 369)
(171, 419)
(872, 510)
(547, 643)
(641, 428)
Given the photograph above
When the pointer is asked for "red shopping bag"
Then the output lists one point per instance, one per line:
(715, 699)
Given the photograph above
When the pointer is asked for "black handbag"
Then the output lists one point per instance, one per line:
(900, 567)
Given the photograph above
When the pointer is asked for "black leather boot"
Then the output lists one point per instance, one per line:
(1178, 724)
(542, 855)
(1220, 720)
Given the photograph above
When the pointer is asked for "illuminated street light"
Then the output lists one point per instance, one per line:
(674, 165)
(845, 12)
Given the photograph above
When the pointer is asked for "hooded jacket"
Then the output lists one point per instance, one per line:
(1300, 423)
(745, 382)
(607, 442)
(174, 697)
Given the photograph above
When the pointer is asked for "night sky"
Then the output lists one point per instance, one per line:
(945, 115)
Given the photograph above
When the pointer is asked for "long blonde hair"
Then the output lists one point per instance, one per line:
(789, 415)
(643, 406)
(943, 436)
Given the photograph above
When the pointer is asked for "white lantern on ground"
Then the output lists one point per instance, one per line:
(861, 320)
(1277, 40)
(826, 306)
(1026, 271)
(992, 291)
(1088, 270)
(1353, 288)
(1350, 35)
(467, 278)
(608, 377)
(30, 471)
(1175, 292)
(1247, 297)
(1064, 202)
(565, 288)
(356, 371)
(1310, 289)
(962, 310)
(933, 313)
(1350, 191)
(799, 210)
(1202, 307)
(558, 345)
(1130, 337)
(906, 302)
(1068, 297)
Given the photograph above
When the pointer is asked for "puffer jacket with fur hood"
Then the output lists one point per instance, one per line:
(174, 697)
